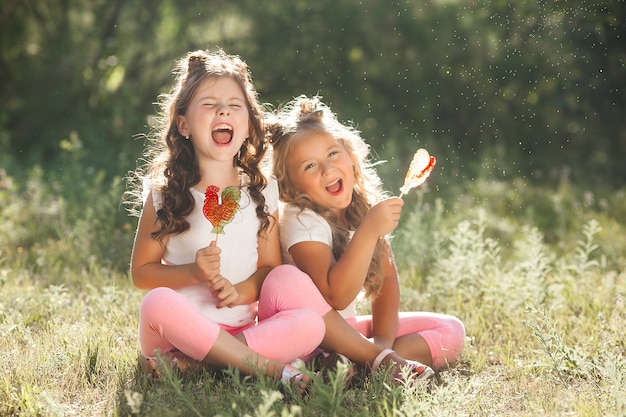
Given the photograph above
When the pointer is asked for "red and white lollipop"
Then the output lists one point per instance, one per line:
(419, 170)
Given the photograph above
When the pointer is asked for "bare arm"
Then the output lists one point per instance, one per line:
(149, 272)
(385, 305)
(340, 281)
(146, 268)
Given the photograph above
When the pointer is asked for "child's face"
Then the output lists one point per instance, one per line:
(217, 119)
(320, 167)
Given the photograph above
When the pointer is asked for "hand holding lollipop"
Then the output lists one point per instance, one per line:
(419, 170)
(220, 213)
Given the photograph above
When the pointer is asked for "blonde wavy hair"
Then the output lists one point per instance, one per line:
(308, 114)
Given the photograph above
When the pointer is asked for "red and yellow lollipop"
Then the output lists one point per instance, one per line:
(220, 213)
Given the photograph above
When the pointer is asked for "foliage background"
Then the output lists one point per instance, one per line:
(495, 89)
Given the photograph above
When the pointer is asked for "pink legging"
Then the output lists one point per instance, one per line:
(444, 334)
(285, 330)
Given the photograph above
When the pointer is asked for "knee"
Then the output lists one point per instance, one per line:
(155, 301)
(452, 342)
(314, 327)
(457, 329)
(454, 333)
(286, 287)
(285, 271)
(287, 277)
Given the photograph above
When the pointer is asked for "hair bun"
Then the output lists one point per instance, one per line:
(308, 105)
(310, 109)
(196, 60)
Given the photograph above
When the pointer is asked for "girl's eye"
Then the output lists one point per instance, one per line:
(235, 106)
(333, 153)
(209, 104)
(309, 166)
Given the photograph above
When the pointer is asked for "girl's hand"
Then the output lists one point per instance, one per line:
(224, 291)
(383, 217)
(207, 264)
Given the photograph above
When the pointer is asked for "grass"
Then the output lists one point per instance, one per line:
(537, 274)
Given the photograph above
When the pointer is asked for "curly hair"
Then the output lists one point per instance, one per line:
(302, 115)
(171, 165)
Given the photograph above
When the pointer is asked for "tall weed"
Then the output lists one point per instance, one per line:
(51, 233)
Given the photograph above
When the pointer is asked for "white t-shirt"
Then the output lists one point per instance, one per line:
(239, 251)
(300, 226)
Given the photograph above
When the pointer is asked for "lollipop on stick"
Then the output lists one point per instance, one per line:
(220, 214)
(420, 168)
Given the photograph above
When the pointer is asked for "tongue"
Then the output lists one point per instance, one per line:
(222, 136)
(335, 187)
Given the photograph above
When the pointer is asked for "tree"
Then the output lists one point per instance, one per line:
(495, 88)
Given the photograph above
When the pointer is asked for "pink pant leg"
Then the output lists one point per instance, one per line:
(168, 321)
(286, 287)
(290, 316)
(444, 334)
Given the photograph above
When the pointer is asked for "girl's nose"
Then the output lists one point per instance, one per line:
(223, 110)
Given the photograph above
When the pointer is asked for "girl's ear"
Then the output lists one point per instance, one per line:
(181, 124)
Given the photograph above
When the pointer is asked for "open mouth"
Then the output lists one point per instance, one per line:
(222, 134)
(335, 186)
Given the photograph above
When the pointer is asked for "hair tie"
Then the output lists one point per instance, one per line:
(275, 132)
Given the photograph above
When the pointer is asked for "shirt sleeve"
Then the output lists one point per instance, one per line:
(271, 194)
(157, 198)
(299, 226)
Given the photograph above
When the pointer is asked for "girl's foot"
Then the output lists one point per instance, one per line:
(295, 378)
(327, 363)
(416, 370)
(148, 365)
